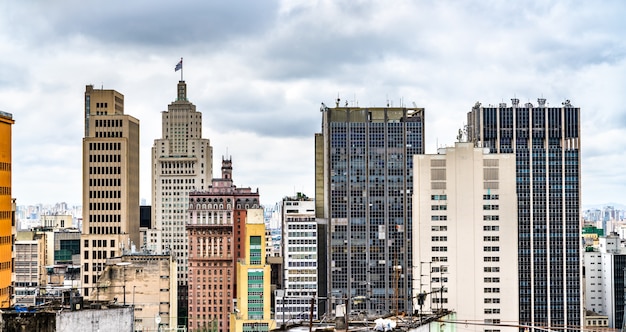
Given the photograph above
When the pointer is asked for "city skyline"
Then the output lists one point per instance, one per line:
(259, 71)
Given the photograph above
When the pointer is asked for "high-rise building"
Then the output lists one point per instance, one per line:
(217, 232)
(110, 182)
(7, 219)
(182, 161)
(299, 237)
(253, 279)
(465, 234)
(363, 188)
(546, 143)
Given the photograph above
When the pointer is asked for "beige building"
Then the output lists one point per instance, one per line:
(465, 234)
(182, 161)
(110, 182)
(148, 283)
(56, 221)
(29, 267)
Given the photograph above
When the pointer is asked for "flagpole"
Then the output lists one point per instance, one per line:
(181, 69)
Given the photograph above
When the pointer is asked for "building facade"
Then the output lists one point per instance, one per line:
(29, 272)
(546, 143)
(110, 182)
(363, 187)
(182, 161)
(7, 219)
(216, 231)
(465, 234)
(252, 310)
(148, 283)
(299, 236)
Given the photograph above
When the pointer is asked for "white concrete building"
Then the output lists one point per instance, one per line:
(299, 234)
(465, 235)
(592, 261)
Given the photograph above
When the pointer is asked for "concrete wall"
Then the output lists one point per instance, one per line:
(110, 320)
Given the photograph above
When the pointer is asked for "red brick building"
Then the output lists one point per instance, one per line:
(216, 228)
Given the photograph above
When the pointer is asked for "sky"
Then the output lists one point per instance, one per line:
(259, 71)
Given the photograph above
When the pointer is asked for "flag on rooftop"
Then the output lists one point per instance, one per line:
(179, 65)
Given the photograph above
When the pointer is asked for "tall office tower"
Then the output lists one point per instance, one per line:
(363, 187)
(546, 144)
(6, 210)
(110, 182)
(182, 161)
(299, 237)
(216, 230)
(253, 278)
(465, 234)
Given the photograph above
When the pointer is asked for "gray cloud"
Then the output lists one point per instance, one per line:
(143, 23)
(258, 71)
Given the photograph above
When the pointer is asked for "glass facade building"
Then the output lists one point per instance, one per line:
(364, 184)
(546, 143)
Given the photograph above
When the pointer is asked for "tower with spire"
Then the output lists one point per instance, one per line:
(181, 163)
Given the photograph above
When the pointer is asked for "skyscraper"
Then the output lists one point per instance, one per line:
(363, 188)
(546, 144)
(110, 182)
(182, 161)
(6, 209)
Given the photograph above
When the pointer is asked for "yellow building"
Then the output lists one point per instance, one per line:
(6, 209)
(252, 309)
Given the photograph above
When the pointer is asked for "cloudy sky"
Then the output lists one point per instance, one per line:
(258, 71)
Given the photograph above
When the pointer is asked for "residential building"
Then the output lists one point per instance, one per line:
(7, 218)
(182, 161)
(216, 230)
(363, 188)
(299, 234)
(148, 283)
(465, 233)
(546, 143)
(252, 310)
(110, 182)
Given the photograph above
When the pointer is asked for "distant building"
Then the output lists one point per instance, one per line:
(464, 205)
(7, 214)
(545, 141)
(364, 181)
(299, 234)
(252, 311)
(110, 182)
(57, 221)
(148, 282)
(216, 231)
